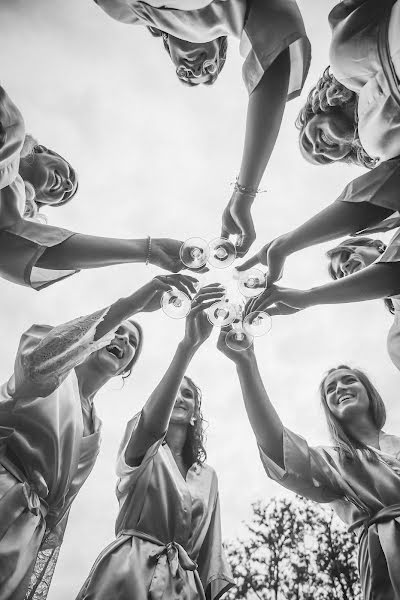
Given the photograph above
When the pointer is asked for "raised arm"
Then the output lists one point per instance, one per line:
(49, 354)
(264, 419)
(264, 117)
(156, 412)
(379, 280)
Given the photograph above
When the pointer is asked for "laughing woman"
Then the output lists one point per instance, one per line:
(277, 56)
(33, 253)
(359, 474)
(50, 434)
(168, 528)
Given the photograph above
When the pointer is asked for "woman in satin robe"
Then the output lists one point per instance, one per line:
(50, 433)
(277, 55)
(168, 528)
(33, 253)
(352, 115)
(359, 474)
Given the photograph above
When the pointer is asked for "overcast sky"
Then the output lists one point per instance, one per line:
(154, 157)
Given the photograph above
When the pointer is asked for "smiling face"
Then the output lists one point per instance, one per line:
(185, 404)
(115, 357)
(195, 62)
(345, 395)
(326, 138)
(54, 180)
(350, 259)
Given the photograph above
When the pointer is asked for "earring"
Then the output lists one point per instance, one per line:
(192, 421)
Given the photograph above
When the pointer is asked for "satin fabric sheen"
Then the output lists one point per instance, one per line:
(168, 533)
(356, 62)
(22, 241)
(265, 28)
(365, 496)
(44, 458)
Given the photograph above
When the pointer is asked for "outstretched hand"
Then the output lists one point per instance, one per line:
(277, 300)
(149, 295)
(235, 356)
(272, 255)
(237, 220)
(198, 327)
(165, 254)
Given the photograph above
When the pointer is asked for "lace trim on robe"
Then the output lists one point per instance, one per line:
(65, 347)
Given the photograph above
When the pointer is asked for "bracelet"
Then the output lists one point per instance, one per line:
(249, 191)
(148, 256)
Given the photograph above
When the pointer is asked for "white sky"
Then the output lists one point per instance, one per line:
(156, 158)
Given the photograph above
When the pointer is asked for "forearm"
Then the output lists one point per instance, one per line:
(335, 221)
(157, 411)
(263, 417)
(379, 280)
(88, 252)
(264, 117)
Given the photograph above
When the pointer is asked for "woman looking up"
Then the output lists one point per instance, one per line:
(359, 474)
(168, 528)
(50, 433)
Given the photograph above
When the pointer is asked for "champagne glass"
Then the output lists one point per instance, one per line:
(176, 304)
(222, 253)
(252, 283)
(222, 313)
(237, 338)
(257, 323)
(194, 253)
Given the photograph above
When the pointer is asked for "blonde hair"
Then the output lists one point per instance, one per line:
(339, 97)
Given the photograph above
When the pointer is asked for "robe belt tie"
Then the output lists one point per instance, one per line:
(31, 493)
(387, 513)
(168, 558)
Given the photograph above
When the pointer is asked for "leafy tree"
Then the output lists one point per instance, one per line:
(295, 550)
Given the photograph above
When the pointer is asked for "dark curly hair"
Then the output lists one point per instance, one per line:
(318, 102)
(346, 445)
(193, 449)
(343, 248)
(223, 49)
(128, 369)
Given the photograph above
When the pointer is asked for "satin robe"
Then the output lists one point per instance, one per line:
(366, 496)
(44, 457)
(168, 531)
(265, 28)
(365, 57)
(22, 241)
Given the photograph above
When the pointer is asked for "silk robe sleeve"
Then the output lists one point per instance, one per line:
(379, 186)
(128, 475)
(265, 29)
(23, 241)
(47, 354)
(12, 136)
(270, 26)
(214, 570)
(309, 472)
